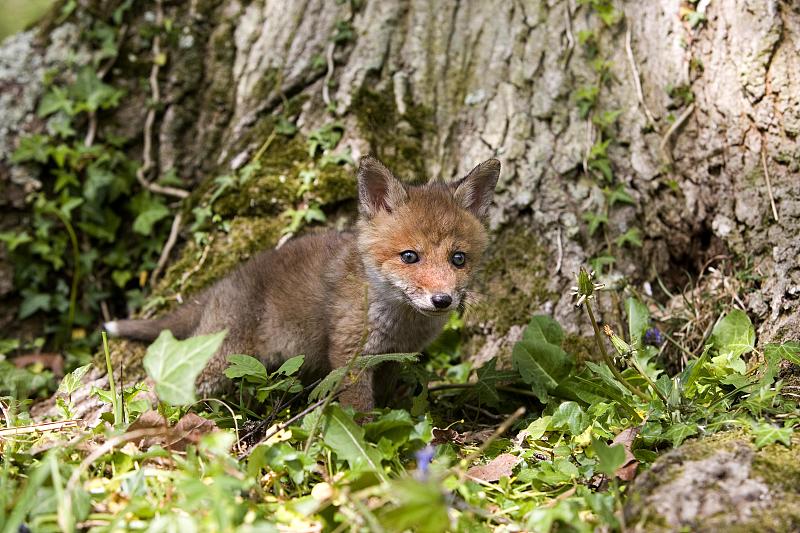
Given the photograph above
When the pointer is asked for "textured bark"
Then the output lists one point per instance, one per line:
(461, 81)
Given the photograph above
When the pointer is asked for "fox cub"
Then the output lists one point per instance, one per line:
(388, 287)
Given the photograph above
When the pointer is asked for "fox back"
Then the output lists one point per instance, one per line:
(386, 288)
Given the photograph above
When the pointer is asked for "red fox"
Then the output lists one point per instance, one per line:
(388, 287)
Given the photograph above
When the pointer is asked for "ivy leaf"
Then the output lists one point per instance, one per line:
(570, 416)
(32, 148)
(765, 434)
(247, 367)
(633, 237)
(346, 439)
(619, 194)
(789, 351)
(540, 361)
(174, 365)
(152, 213)
(72, 381)
(595, 220)
(610, 458)
(679, 432)
(13, 239)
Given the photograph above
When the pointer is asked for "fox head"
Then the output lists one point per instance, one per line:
(423, 244)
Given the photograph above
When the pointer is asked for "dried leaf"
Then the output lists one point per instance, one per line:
(444, 436)
(627, 471)
(151, 420)
(189, 430)
(499, 467)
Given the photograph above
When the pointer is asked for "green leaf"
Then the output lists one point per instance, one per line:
(72, 381)
(610, 458)
(155, 211)
(13, 239)
(247, 367)
(291, 365)
(633, 237)
(765, 434)
(365, 361)
(638, 320)
(789, 351)
(346, 438)
(595, 220)
(732, 337)
(32, 148)
(488, 378)
(174, 365)
(734, 334)
(539, 358)
(35, 302)
(571, 417)
(679, 432)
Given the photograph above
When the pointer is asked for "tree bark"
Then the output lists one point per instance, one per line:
(433, 88)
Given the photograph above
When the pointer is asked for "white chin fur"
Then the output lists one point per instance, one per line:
(112, 328)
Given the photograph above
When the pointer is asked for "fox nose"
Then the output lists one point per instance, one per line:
(441, 301)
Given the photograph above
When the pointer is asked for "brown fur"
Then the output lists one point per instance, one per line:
(323, 295)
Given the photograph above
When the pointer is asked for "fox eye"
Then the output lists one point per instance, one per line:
(458, 259)
(409, 257)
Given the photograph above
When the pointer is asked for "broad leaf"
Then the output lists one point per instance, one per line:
(539, 358)
(291, 365)
(174, 365)
(569, 416)
(609, 458)
(733, 336)
(346, 439)
(765, 434)
(638, 320)
(72, 381)
(247, 367)
(789, 351)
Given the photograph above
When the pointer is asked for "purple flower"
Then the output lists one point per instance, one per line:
(653, 337)
(424, 457)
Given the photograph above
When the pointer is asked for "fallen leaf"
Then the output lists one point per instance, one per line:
(53, 361)
(445, 436)
(627, 471)
(189, 430)
(499, 467)
(151, 420)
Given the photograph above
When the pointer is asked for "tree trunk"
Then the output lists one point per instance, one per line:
(704, 144)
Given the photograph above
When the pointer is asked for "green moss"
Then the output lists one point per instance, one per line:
(583, 348)
(514, 281)
(397, 140)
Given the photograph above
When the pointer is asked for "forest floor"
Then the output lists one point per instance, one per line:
(551, 443)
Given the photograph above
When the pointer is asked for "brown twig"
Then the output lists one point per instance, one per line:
(766, 178)
(147, 164)
(171, 240)
(671, 131)
(637, 83)
(34, 428)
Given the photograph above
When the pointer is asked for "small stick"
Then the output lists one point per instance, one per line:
(570, 37)
(671, 131)
(637, 83)
(171, 240)
(45, 426)
(328, 75)
(560, 252)
(769, 184)
(502, 428)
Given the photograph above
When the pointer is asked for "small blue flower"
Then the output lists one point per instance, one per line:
(653, 337)
(424, 457)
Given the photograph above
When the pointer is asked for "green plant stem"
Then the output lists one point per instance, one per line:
(76, 256)
(110, 373)
(609, 363)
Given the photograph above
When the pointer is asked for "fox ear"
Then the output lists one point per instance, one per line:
(378, 188)
(475, 191)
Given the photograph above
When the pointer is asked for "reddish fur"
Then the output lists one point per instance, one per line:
(324, 295)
